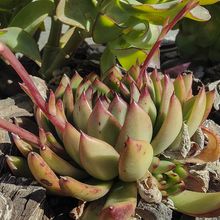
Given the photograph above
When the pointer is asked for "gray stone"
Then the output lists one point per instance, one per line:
(153, 211)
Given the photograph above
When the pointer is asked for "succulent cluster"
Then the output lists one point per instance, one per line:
(203, 44)
(99, 138)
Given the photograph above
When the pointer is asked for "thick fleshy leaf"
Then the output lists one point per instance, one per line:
(20, 41)
(157, 87)
(81, 112)
(43, 173)
(102, 124)
(118, 108)
(146, 103)
(84, 191)
(32, 15)
(98, 158)
(71, 139)
(59, 165)
(135, 159)
(170, 127)
(18, 166)
(121, 202)
(137, 126)
(197, 203)
(167, 92)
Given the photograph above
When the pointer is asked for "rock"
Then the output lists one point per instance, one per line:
(153, 211)
(21, 199)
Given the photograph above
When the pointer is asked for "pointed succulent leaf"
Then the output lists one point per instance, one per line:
(62, 86)
(68, 102)
(71, 142)
(167, 92)
(188, 80)
(59, 165)
(121, 202)
(93, 210)
(180, 89)
(137, 125)
(83, 191)
(100, 87)
(170, 127)
(135, 159)
(55, 145)
(51, 105)
(102, 156)
(157, 87)
(118, 108)
(83, 86)
(75, 81)
(81, 112)
(18, 166)
(102, 124)
(146, 103)
(134, 71)
(196, 112)
(24, 147)
(43, 173)
(197, 203)
(135, 94)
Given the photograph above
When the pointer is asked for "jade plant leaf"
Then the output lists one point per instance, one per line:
(105, 24)
(32, 15)
(76, 13)
(20, 41)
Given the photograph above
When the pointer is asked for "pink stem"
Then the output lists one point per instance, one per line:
(166, 28)
(40, 102)
(22, 133)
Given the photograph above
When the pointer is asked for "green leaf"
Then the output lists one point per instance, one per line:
(77, 13)
(20, 41)
(107, 61)
(142, 38)
(199, 13)
(128, 57)
(105, 29)
(207, 2)
(32, 15)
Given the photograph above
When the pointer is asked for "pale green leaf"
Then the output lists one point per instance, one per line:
(32, 15)
(20, 41)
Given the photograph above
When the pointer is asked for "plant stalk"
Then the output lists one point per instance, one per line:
(70, 47)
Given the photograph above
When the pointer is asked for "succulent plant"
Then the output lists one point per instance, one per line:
(98, 138)
(203, 44)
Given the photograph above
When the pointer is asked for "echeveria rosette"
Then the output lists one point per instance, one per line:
(97, 138)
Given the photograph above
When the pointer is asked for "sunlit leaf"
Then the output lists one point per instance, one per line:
(77, 13)
(105, 29)
(32, 15)
(20, 41)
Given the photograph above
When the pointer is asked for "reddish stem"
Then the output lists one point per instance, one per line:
(166, 28)
(35, 94)
(22, 133)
